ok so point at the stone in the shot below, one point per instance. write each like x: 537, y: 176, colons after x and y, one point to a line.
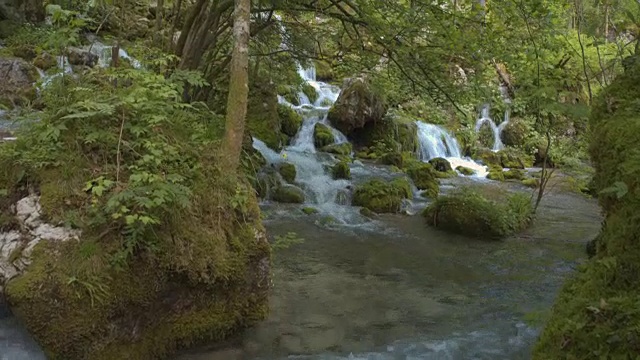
x: 357, y: 105
x: 18, y: 77
x: 80, y: 57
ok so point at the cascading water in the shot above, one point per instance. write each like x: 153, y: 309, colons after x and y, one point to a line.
x: 435, y: 142
x: 495, y: 129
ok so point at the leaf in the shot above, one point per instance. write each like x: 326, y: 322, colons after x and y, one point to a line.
x: 619, y: 189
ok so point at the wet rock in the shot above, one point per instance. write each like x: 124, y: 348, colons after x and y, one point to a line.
x: 288, y: 172
x: 357, y: 105
x: 515, y: 133
x: 441, y: 164
x: 382, y: 196
x: 288, y: 194
x: 290, y: 120
x: 341, y: 170
x: 392, y: 158
x: 309, y: 210
x: 22, y: 10
x: 80, y: 57
x: 16, y: 86
x: 45, y: 61
x: 338, y: 149
x: 424, y: 177
x: 465, y: 170
x: 322, y: 136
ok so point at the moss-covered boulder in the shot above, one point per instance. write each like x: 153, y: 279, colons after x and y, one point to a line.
x: 469, y: 212
x: 441, y: 165
x: 596, y: 313
x: 392, y: 158
x: 487, y: 156
x: 424, y: 177
x: 514, y: 174
x: 496, y: 173
x: 263, y: 117
x: 513, y: 158
x: 465, y: 170
x: 381, y: 196
x: 310, y: 210
x: 531, y: 182
x: 266, y: 181
x: 45, y: 61
x: 310, y: 92
x: 288, y: 194
x: 341, y: 170
x: 290, y: 120
x: 322, y: 136
x: 288, y: 172
x: 344, y: 149
x: 357, y: 105
x: 515, y: 133
x: 18, y: 78
x: 324, y: 72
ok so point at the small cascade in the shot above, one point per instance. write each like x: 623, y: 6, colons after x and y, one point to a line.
x: 495, y: 129
x: 436, y: 142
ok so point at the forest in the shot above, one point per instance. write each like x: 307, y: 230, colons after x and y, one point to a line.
x: 321, y: 178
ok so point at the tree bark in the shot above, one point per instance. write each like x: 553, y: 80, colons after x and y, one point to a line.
x: 238, y: 87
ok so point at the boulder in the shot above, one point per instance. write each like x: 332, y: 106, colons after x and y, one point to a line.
x: 290, y: 120
x: 288, y: 172
x: 441, y: 164
x: 45, y: 61
x: 341, y: 170
x: 322, y: 136
x: 465, y: 170
x: 424, y: 177
x: 80, y: 57
x: 357, y: 105
x: 288, y: 194
x: 514, y: 133
x: 338, y: 149
x: 263, y: 115
x: 22, y: 10
x: 18, y: 78
x: 382, y: 196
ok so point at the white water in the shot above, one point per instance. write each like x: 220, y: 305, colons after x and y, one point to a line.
x: 436, y: 142
x: 495, y: 129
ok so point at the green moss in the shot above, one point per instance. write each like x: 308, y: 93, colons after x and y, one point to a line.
x: 322, y: 136
x: 514, y: 158
x: 263, y: 115
x: 288, y: 194
x: 392, y: 158
x: 515, y: 133
x: 596, y: 313
x: 341, y: 170
x: 382, y: 196
x: 290, y: 120
x: 324, y: 72
x: 441, y: 165
x: 344, y: 149
x: 469, y: 212
x: 465, y: 170
x: 424, y: 177
x: 514, y: 174
x: 309, y: 210
x: 496, y: 173
x: 358, y: 105
x: 367, y: 213
x: 45, y: 61
x: 290, y: 94
x: 531, y: 182
x: 310, y: 91
x: 488, y: 157
x: 288, y: 172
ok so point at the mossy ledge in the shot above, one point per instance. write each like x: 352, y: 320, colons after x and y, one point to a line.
x: 596, y: 313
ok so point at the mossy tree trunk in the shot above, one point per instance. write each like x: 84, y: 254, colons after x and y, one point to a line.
x: 238, y: 87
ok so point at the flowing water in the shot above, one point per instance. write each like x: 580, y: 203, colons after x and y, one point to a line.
x: 485, y: 120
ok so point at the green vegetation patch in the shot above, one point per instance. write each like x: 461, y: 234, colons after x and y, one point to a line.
x: 381, y: 196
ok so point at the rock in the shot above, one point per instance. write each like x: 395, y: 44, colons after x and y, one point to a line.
x: 290, y: 120
x: 288, y: 194
x: 263, y: 115
x: 80, y: 57
x: 18, y: 77
x: 310, y: 210
x: 465, y: 171
x: 338, y: 149
x: 441, y: 164
x: 469, y: 212
x: 531, y: 182
x: 324, y: 72
x: 288, y: 172
x: 45, y: 61
x: 514, y: 174
x: 424, y: 178
x: 495, y: 173
x: 487, y: 156
x: 267, y: 181
x: 341, y: 170
x: 27, y: 52
x: 392, y: 158
x: 322, y: 136
x: 382, y: 196
x: 22, y: 10
x: 310, y: 92
x: 515, y: 133
x: 357, y: 105
x: 16, y: 246
x: 367, y: 213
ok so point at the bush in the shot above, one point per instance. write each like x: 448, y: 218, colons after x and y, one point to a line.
x: 468, y: 212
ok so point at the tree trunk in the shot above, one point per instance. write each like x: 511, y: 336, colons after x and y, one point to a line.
x: 238, y: 87
x: 159, y: 15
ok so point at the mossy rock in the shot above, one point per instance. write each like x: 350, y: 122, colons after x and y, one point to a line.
x: 425, y: 178
x: 290, y: 120
x: 513, y: 158
x: 515, y: 133
x: 25, y: 51
x: 441, y: 165
x: 322, y: 136
x: 344, y: 149
x: 310, y: 92
x: 324, y: 72
x: 45, y: 61
x: 496, y: 173
x: 514, y: 174
x: 367, y: 213
x: 263, y: 118
x: 465, y: 170
x: 487, y: 156
x: 531, y: 182
x: 288, y: 172
x: 485, y: 136
x: 596, y: 312
x: 381, y: 196
x: 392, y: 158
x: 310, y: 210
x: 469, y: 212
x: 288, y: 194
x: 357, y: 105
x: 341, y: 170
x: 267, y: 180
x: 290, y: 94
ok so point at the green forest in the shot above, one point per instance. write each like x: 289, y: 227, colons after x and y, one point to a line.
x: 150, y: 150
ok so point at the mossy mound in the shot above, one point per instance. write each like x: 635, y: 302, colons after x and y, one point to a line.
x: 381, y: 196
x: 290, y: 120
x: 288, y: 172
x: 289, y: 93
x: 441, y: 165
x: 344, y: 149
x: 392, y: 158
x: 288, y: 194
x: 164, y: 261
x: 596, y: 313
x: 267, y: 180
x: 263, y: 115
x: 424, y: 177
x: 393, y: 133
x: 531, y: 182
x: 487, y: 156
x: 465, y: 171
x: 357, y: 105
x: 324, y: 72
x: 514, y: 174
x: 515, y: 133
x: 469, y: 212
x: 45, y: 61
x: 341, y: 170
x: 322, y: 136
x: 513, y: 158
x: 496, y: 173
x: 310, y: 211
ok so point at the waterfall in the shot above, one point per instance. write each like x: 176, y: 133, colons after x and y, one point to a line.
x: 495, y: 129
x: 436, y: 142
